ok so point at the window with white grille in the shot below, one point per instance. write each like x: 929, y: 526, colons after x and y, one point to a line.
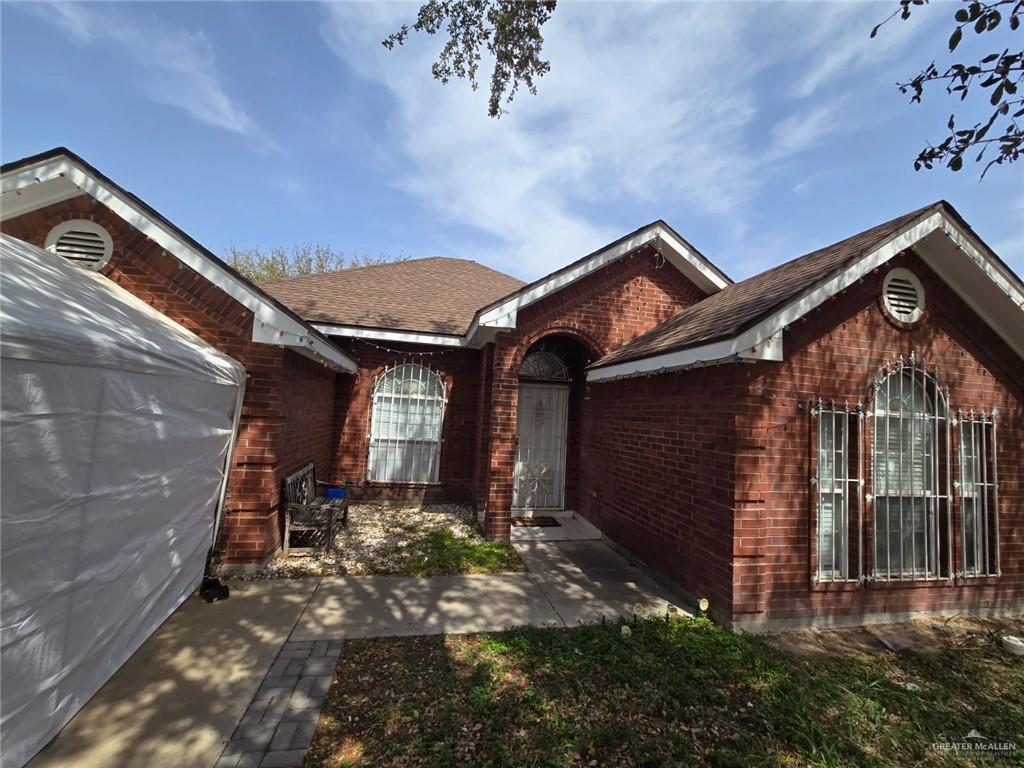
x: 979, y: 495
x: 82, y: 242
x: 903, y: 295
x: 910, y: 436
x: 903, y: 529
x: 839, y: 515
x: 405, y: 431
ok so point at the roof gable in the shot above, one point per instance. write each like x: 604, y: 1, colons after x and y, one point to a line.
x: 687, y: 259
x: 59, y: 174
x: 747, y: 319
x: 462, y: 290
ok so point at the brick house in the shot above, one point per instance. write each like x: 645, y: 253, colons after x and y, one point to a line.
x: 838, y: 437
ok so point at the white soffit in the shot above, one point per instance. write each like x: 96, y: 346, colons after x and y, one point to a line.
x: 383, y: 334
x: 59, y: 178
x: 955, y: 255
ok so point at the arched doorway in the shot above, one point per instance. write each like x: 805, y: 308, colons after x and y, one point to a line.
x: 550, y: 381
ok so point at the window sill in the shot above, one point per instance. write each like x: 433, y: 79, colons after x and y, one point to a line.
x: 877, y: 585
x: 978, y: 581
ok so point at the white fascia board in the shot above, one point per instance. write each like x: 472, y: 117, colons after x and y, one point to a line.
x: 764, y: 341
x: 777, y: 323
x: 304, y: 343
x: 724, y: 351
x: 692, y: 266
x: 995, y: 271
x: 380, y: 334
x: 34, y: 195
x: 707, y: 280
x: 504, y: 316
x: 477, y: 336
x: 163, y: 236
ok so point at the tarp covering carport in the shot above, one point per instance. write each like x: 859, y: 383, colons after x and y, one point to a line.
x: 116, y: 428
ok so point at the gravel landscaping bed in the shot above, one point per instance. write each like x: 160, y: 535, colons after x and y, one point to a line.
x: 431, y: 539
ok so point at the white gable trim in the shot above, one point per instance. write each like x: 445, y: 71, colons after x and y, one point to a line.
x: 685, y: 260
x: 764, y: 341
x: 293, y: 334
x: 715, y: 353
x: 503, y: 315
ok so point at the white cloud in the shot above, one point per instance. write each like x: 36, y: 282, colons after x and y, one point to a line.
x: 803, y: 130
x: 840, y: 40
x: 621, y: 116
x: 644, y: 102
x: 174, y: 67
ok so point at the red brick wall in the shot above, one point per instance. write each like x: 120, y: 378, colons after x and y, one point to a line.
x: 836, y: 354
x: 309, y: 410
x: 600, y: 311
x: 705, y: 473
x: 251, y: 526
x: 659, y: 473
x: 459, y: 370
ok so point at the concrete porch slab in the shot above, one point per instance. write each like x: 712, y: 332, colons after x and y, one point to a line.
x: 587, y: 581
x: 382, y: 606
x: 176, y: 701
x: 569, y: 529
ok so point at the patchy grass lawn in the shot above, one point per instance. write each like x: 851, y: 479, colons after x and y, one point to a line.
x: 440, y: 551
x: 683, y: 692
x: 425, y: 540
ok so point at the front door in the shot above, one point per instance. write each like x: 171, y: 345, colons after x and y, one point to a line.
x: 540, y: 450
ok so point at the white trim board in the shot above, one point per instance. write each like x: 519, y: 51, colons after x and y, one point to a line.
x: 503, y: 315
x: 64, y: 179
x: 382, y: 334
x: 764, y: 341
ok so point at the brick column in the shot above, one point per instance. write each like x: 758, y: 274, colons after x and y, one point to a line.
x: 502, y: 455
x: 250, y: 531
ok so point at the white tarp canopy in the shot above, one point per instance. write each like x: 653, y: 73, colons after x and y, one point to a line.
x: 115, y: 429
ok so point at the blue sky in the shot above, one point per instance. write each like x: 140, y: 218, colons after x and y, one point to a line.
x: 758, y: 130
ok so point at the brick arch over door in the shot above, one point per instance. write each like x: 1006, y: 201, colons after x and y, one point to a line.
x: 601, y: 311
x: 572, y: 347
x: 587, y: 341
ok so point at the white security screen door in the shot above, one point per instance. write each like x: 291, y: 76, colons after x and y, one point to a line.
x: 540, y: 453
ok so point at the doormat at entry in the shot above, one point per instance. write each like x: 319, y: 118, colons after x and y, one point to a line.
x: 535, y: 522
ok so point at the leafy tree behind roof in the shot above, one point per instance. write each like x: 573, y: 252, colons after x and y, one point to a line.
x: 305, y: 259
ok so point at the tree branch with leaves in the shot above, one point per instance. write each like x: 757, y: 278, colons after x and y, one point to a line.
x: 510, y: 30
x: 997, y: 74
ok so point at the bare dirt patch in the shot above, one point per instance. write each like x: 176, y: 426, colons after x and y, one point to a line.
x: 931, y: 636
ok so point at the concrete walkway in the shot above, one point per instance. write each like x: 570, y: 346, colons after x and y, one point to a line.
x: 205, y: 678
x: 178, y: 699
x: 568, y: 583
x: 585, y: 581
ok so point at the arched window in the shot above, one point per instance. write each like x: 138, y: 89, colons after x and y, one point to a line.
x: 405, y: 431
x: 543, y: 366
x: 913, y: 458
x: 910, y: 412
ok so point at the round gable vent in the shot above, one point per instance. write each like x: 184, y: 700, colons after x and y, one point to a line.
x: 903, y: 295
x: 82, y: 242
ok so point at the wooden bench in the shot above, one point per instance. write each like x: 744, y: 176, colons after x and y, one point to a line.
x: 308, y: 511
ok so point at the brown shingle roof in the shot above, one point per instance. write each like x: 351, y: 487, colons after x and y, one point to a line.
x: 741, y: 305
x: 433, y: 295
